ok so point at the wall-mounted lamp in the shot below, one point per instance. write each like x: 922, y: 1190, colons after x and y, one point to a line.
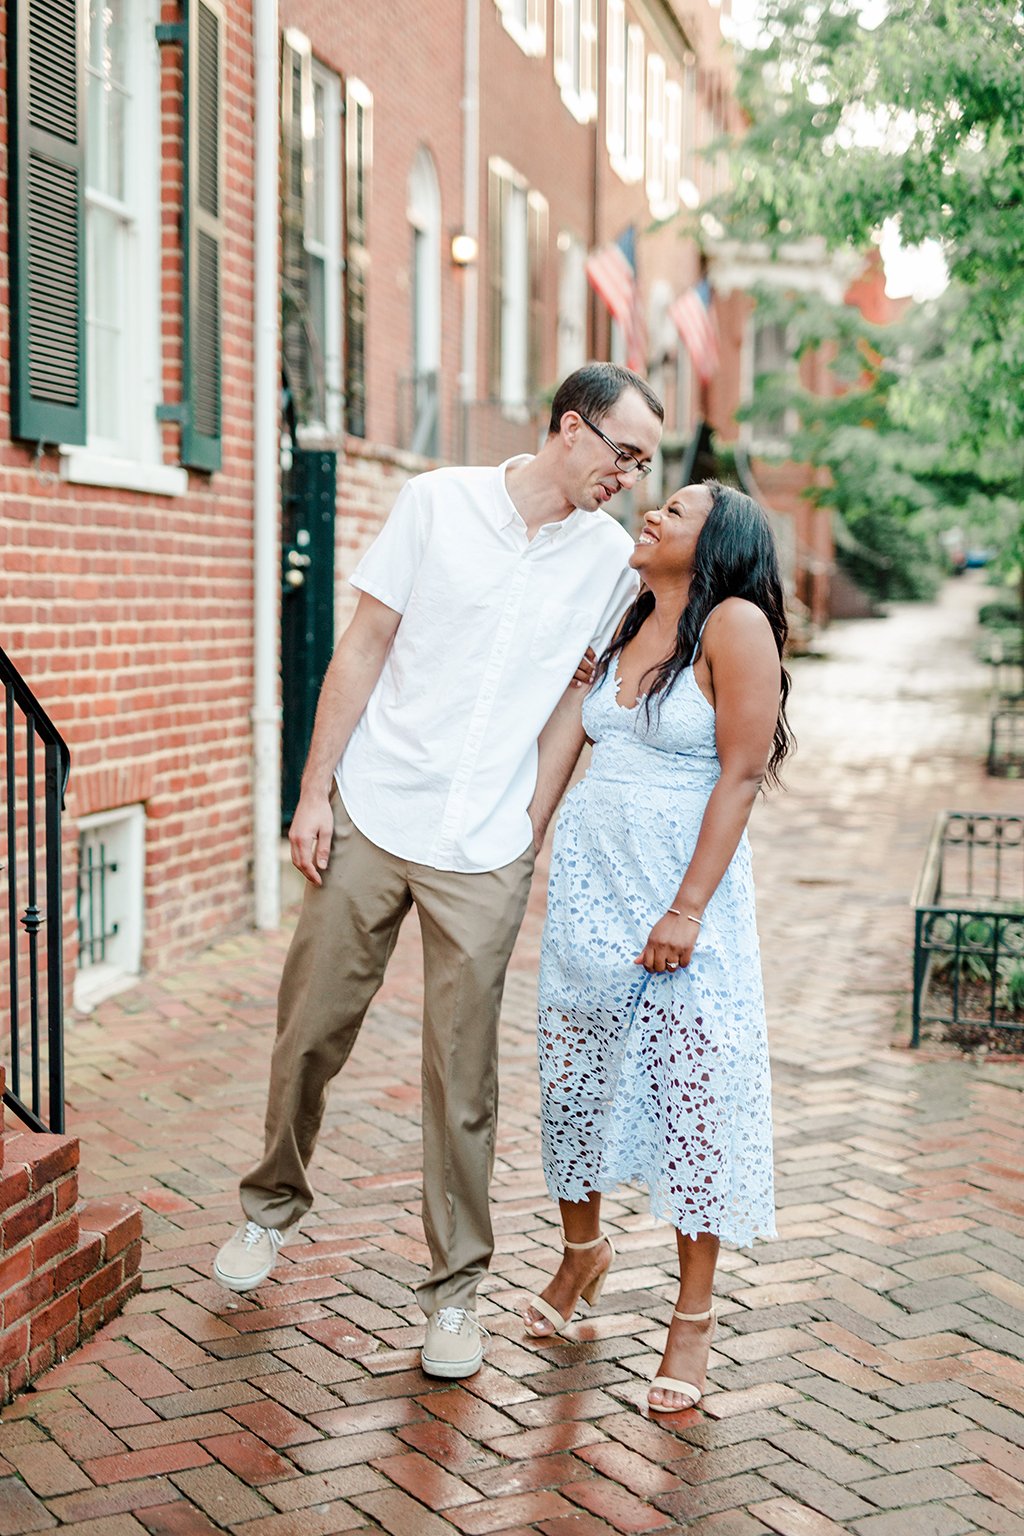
x: 464, y: 250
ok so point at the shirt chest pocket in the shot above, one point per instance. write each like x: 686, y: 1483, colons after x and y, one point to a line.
x: 560, y: 636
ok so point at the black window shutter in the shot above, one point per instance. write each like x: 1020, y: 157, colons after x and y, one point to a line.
x: 47, y: 189
x: 204, y: 235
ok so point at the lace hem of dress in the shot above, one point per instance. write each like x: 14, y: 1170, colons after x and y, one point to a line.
x: 737, y: 1234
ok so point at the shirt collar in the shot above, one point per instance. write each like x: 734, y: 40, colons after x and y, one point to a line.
x: 506, y: 509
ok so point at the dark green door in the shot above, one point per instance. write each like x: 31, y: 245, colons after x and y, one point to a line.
x: 307, y: 607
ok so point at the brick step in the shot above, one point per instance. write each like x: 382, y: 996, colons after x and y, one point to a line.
x: 65, y: 1267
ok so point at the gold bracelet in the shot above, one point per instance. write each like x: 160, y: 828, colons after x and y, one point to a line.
x: 689, y: 915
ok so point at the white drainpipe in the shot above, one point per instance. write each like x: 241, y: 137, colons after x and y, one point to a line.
x: 266, y: 712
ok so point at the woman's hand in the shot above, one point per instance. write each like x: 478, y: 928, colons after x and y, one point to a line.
x: 584, y: 674
x: 669, y: 945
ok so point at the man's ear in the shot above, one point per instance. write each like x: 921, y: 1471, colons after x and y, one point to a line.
x: 569, y: 427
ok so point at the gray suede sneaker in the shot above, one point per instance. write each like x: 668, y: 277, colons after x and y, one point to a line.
x: 246, y: 1259
x: 453, y: 1345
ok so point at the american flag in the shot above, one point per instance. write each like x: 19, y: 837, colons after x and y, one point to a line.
x: 611, y: 272
x: 693, y: 318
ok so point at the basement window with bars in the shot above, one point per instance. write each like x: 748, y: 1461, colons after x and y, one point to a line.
x: 109, y: 907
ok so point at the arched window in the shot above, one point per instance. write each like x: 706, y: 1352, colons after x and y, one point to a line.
x: 424, y: 212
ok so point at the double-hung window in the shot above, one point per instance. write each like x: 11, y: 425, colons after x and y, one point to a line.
x: 526, y: 21
x: 615, y: 82
x: 576, y: 56
x: 311, y: 243
x: 122, y: 265
x: 86, y: 248
x: 517, y: 268
x: 633, y: 160
x: 358, y: 161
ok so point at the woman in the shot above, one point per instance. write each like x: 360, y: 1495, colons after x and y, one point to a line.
x: 651, y: 1037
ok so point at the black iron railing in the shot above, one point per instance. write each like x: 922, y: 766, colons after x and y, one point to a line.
x: 36, y: 767
x: 1006, y: 737
x: 969, y: 930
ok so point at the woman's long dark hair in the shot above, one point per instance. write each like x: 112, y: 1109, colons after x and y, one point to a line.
x: 735, y: 556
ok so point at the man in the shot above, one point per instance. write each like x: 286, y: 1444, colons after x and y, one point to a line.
x: 446, y: 731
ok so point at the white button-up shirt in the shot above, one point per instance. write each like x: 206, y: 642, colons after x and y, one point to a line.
x: 442, y: 766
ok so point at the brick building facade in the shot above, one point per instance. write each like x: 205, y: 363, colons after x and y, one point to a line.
x: 126, y: 585
x: 543, y: 129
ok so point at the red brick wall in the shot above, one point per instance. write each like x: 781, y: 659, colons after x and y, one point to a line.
x: 409, y: 53
x: 131, y: 615
x: 369, y: 479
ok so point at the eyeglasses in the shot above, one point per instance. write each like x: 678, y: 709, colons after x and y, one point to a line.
x: 627, y: 463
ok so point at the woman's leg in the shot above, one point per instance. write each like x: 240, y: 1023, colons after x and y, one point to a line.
x: 581, y: 1223
x: 689, y: 1344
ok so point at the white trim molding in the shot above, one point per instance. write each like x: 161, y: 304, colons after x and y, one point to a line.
x: 82, y: 466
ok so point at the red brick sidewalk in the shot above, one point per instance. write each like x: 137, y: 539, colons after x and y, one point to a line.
x: 867, y: 1371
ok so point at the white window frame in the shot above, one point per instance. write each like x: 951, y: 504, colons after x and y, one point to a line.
x: 575, y: 56
x: 424, y: 214
x: 95, y: 982
x: 689, y: 186
x: 526, y: 21
x: 615, y: 82
x: 654, y: 155
x: 633, y: 160
x: 132, y: 458
x: 329, y: 249
x: 515, y: 296
x: 572, y: 303
x: 756, y: 441
x: 673, y: 149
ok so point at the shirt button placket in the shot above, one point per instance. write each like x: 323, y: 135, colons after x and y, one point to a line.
x: 476, y: 731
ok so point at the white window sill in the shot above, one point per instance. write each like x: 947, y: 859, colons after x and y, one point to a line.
x: 532, y: 40
x: 95, y: 983
x: 83, y: 466
x: 582, y: 108
x: 629, y: 171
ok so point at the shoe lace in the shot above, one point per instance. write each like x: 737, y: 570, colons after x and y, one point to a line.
x: 451, y: 1319
x: 253, y: 1234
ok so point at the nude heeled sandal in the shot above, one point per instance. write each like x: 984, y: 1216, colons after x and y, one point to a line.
x: 684, y: 1388
x: 591, y: 1293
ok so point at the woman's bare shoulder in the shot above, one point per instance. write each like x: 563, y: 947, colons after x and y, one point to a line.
x: 737, y: 619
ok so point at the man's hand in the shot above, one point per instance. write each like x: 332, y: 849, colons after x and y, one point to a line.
x: 584, y: 674
x: 310, y: 835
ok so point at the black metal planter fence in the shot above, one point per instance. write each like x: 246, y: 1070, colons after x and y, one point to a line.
x: 36, y: 764
x: 969, y: 931
x: 1006, y: 737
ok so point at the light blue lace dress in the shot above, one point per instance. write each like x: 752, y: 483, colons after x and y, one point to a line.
x: 658, y: 1080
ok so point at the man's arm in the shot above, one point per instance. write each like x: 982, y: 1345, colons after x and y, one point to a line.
x: 560, y: 744
x: 355, y: 667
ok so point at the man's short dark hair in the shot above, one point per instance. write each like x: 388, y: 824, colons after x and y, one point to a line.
x: 593, y: 389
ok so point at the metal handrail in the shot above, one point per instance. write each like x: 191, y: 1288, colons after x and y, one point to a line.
x: 38, y: 728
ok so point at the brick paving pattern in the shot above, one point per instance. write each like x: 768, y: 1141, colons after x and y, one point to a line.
x: 867, y: 1374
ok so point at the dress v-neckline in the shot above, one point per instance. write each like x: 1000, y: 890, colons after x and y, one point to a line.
x: 629, y: 709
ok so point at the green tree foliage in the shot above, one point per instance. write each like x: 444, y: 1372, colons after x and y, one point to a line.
x: 920, y: 119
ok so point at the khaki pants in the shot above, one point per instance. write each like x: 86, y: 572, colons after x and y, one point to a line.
x: 345, y: 935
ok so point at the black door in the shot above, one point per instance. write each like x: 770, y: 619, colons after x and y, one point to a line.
x: 307, y: 607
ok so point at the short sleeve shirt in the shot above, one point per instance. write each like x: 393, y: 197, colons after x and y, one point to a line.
x: 442, y: 766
